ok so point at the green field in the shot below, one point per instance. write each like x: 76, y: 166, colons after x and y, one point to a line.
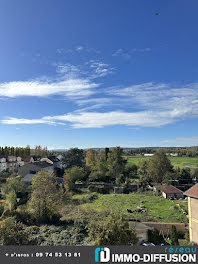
x: 158, y: 209
x: 176, y: 161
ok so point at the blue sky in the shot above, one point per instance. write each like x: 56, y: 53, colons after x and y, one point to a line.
x: 98, y: 73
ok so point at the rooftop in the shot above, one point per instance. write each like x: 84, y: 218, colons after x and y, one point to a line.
x: 192, y: 192
x: 169, y: 189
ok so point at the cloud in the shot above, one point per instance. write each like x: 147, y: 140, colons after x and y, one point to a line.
x: 98, y: 119
x: 79, y: 48
x: 22, y: 121
x: 153, y: 104
x: 181, y: 141
x: 160, y: 96
x: 93, y: 103
x: 68, y: 70
x: 100, y: 69
x: 127, y: 53
x: 122, y: 53
x: 69, y: 88
x: 71, y: 81
x: 141, y: 50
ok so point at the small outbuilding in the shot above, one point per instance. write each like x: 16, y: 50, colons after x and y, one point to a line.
x: 170, y: 191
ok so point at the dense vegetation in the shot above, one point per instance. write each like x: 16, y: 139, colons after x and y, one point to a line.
x: 15, y: 151
x: 84, y: 210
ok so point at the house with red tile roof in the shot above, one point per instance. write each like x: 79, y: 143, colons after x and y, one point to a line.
x: 169, y: 191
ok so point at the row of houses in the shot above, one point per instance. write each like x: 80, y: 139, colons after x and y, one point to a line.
x: 13, y: 163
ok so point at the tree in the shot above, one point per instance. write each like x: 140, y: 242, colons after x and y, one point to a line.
x: 91, y: 158
x: 143, y: 172
x: 113, y: 231
x: 13, y: 232
x: 71, y: 176
x: 195, y: 174
x: 169, y: 177
x: 116, y: 164
x: 185, y: 174
x: 174, y: 236
x: 13, y: 184
x: 130, y: 171
x: 11, y: 200
x: 40, y: 151
x: 158, y: 166
x: 106, y: 153
x: 73, y: 157
x: 99, y: 172
x: 46, y: 197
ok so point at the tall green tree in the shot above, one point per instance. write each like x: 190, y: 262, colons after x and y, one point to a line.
x: 73, y: 157
x: 158, y: 166
x: 91, y: 157
x: 143, y: 172
x: 194, y: 173
x: 116, y: 164
x: 14, y: 184
x: 11, y: 201
x: 185, y: 173
x: 107, y: 150
x: 46, y: 197
x: 130, y: 171
x: 71, y: 176
x: 99, y: 172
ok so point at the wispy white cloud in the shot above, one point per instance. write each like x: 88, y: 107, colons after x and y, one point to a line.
x: 92, y: 103
x: 23, y: 121
x: 122, y: 53
x: 71, y: 81
x: 180, y: 141
x: 79, y: 48
x: 68, y: 70
x: 141, y: 50
x: 69, y: 88
x: 155, y: 104
x: 127, y: 53
x: 161, y: 96
x: 100, y: 69
x: 101, y: 100
x: 98, y: 119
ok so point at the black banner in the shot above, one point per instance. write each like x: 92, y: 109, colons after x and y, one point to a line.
x: 96, y: 255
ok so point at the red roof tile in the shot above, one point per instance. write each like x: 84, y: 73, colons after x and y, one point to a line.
x: 169, y: 189
x: 193, y: 191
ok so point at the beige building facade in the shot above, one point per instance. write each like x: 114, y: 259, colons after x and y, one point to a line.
x: 192, y: 194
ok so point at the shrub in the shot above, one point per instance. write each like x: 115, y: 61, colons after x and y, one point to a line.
x: 13, y: 232
x: 98, y: 189
x: 114, y: 230
x: 174, y: 236
x: 59, y: 235
x: 1, y: 209
x: 155, y: 238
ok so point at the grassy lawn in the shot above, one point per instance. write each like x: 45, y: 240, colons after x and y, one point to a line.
x: 176, y: 161
x: 158, y: 209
